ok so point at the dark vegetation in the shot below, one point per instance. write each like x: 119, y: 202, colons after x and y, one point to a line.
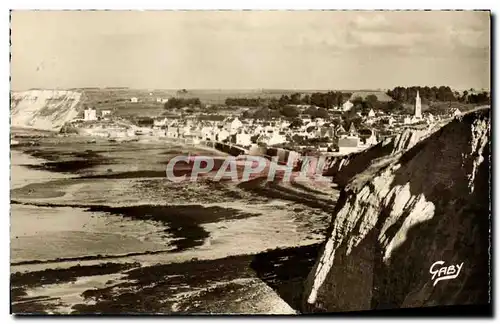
x: 184, y: 222
x: 182, y: 102
x: 244, y: 102
x: 54, y: 276
x: 439, y: 94
x: 157, y: 288
x: 436, y: 99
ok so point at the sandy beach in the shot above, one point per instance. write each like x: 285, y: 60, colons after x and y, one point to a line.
x: 132, y: 219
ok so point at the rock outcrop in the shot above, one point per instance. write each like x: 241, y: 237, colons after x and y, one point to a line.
x: 344, y: 168
x: 404, y: 213
x: 44, y: 109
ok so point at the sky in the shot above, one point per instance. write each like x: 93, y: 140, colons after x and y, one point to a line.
x: 346, y: 50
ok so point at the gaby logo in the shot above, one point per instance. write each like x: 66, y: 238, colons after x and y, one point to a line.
x: 444, y: 272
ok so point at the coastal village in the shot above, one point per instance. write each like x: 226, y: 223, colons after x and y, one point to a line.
x: 250, y: 162
x: 312, y: 135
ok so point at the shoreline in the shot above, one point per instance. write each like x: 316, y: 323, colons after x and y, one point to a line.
x: 286, y: 224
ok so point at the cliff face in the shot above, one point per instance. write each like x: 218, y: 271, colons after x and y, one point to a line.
x: 404, y: 213
x: 344, y: 168
x: 43, y: 109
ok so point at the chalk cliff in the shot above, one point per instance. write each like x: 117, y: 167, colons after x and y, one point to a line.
x: 44, y: 109
x: 343, y: 168
x: 402, y: 214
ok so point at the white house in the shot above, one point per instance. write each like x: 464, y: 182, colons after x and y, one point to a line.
x: 456, y: 112
x: 243, y: 138
x: 372, y: 140
x: 306, y: 120
x: 325, y: 132
x: 352, y: 130
x: 272, y: 138
x: 269, y: 129
x: 415, y: 120
x: 258, y: 129
x: 347, y: 105
x: 320, y: 121
x: 161, y: 100
x: 207, y: 133
x: 104, y: 113
x: 371, y: 114
x: 340, y: 131
x: 134, y: 99
x: 159, y: 122
x: 285, y: 124
x: 173, y: 132
x: 430, y: 118
x: 89, y: 114
x: 222, y: 134
x: 234, y: 125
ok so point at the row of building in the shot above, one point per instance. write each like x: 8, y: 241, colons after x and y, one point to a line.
x: 325, y: 134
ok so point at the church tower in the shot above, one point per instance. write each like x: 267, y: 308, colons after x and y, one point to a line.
x: 418, y: 106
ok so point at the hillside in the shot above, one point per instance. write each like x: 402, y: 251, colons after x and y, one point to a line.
x: 44, y: 109
x: 401, y: 215
x: 381, y: 95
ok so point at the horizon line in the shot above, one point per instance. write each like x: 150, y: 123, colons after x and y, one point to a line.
x: 240, y: 89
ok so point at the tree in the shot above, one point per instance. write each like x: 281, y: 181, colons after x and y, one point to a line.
x: 350, y: 114
x: 172, y: 103
x: 407, y: 95
x: 311, y: 111
x: 289, y: 111
x: 246, y: 114
x: 394, y: 106
x: 295, y: 99
x: 306, y: 100
x: 181, y: 102
x: 358, y: 101
x: 284, y: 100
x: 322, y: 113
x: 296, y: 123
x: 273, y: 104
x: 480, y: 98
x: 356, y: 120
x: 266, y: 113
x: 371, y: 101
x: 317, y: 99
x: 243, y: 102
x: 463, y: 96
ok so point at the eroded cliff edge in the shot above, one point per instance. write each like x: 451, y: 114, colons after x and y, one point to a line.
x: 403, y: 213
x: 44, y: 109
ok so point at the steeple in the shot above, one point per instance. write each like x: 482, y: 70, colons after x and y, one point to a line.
x: 418, y: 106
x: 352, y: 129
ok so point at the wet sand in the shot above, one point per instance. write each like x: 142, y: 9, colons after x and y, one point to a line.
x: 71, y: 210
